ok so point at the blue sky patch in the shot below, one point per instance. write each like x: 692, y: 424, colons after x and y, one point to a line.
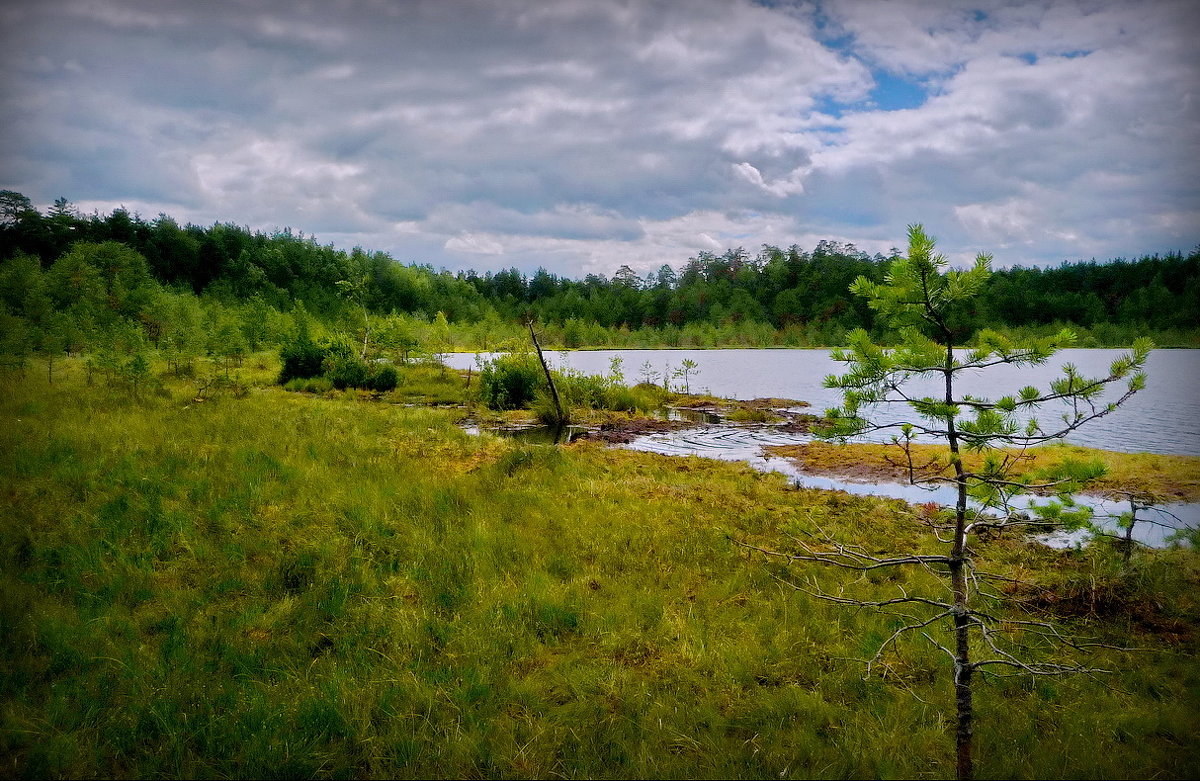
x: 893, y: 93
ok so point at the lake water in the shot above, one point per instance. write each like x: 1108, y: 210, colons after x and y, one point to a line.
x: 747, y: 443
x: 1163, y: 418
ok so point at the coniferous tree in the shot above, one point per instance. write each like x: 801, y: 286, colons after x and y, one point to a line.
x: 925, y: 303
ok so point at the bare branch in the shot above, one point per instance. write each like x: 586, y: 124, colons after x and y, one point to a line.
x: 844, y: 556
x: 906, y: 628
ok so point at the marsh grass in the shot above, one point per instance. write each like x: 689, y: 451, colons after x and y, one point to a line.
x: 1168, y: 477
x: 295, y: 585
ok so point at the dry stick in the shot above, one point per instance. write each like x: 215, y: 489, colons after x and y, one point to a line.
x: 549, y: 380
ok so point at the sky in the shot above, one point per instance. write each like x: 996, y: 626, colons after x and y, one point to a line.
x: 580, y: 135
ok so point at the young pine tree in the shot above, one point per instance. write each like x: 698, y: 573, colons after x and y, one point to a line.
x: 924, y: 301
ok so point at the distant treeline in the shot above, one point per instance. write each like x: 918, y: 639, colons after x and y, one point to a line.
x: 775, y: 296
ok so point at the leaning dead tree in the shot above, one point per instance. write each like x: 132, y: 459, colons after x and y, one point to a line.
x: 914, y: 390
x: 560, y: 417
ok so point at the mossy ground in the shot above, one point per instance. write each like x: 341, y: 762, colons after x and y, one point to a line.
x: 1169, y: 478
x: 284, y: 584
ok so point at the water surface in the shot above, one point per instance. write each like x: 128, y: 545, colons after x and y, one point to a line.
x: 1163, y: 418
x: 746, y: 443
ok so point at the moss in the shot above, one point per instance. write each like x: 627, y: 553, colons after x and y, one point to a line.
x: 750, y: 415
x: 1170, y: 478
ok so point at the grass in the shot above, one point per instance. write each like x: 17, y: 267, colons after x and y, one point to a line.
x: 294, y: 585
x: 418, y: 384
x: 1171, y: 478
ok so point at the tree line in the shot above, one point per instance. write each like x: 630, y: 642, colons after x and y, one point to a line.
x: 72, y: 282
x: 790, y: 287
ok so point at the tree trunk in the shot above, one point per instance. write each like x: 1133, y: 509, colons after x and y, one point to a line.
x: 1128, y: 548
x: 962, y: 676
x: 958, y: 577
x: 549, y: 380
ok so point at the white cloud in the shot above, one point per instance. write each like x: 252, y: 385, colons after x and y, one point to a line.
x: 792, y: 185
x: 474, y: 244
x: 586, y: 135
x: 1004, y: 223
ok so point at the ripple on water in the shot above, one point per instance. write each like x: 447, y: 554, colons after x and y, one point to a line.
x: 746, y: 443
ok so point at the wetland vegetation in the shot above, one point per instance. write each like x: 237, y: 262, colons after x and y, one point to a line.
x: 246, y: 535
x: 297, y: 584
x: 1171, y: 478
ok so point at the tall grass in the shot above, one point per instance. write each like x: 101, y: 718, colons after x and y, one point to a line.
x: 292, y: 585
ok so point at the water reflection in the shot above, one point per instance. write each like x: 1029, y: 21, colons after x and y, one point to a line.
x: 535, y: 435
x: 729, y: 443
x: 1163, y: 418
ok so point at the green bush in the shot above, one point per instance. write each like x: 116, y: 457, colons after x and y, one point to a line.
x: 316, y: 369
x: 309, y: 384
x: 510, y: 381
x: 345, y: 369
x: 625, y: 399
x: 595, y: 391
x: 384, y: 379
x: 749, y: 415
x: 301, y: 358
x: 583, y: 390
x: 544, y: 408
x: 517, y: 381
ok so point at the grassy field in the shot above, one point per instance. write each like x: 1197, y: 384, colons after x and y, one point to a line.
x: 275, y: 584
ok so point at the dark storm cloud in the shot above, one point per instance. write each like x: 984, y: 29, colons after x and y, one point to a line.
x: 583, y: 135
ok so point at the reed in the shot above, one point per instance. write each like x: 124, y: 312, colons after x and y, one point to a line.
x: 287, y: 584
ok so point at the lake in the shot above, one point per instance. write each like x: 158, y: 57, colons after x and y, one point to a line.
x: 746, y: 444
x: 1163, y: 418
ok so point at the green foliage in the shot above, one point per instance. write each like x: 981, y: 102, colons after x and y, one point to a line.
x: 309, y: 385
x: 919, y: 299
x: 519, y: 376
x: 545, y: 410
x: 383, y: 379
x: 510, y: 381
x: 106, y: 267
x: 247, y: 597
x: 300, y: 356
x: 301, y: 360
x: 925, y: 304
x: 344, y: 368
x: 750, y: 415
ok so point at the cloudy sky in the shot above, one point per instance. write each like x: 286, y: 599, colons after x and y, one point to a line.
x: 583, y: 134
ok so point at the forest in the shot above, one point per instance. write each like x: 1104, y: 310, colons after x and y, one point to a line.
x: 74, y: 283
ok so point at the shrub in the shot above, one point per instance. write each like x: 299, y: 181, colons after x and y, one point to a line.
x: 543, y: 407
x: 514, y: 381
x: 510, y: 381
x: 302, y: 358
x: 384, y: 379
x: 317, y: 385
x: 583, y: 390
x: 345, y: 369
x: 750, y: 415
